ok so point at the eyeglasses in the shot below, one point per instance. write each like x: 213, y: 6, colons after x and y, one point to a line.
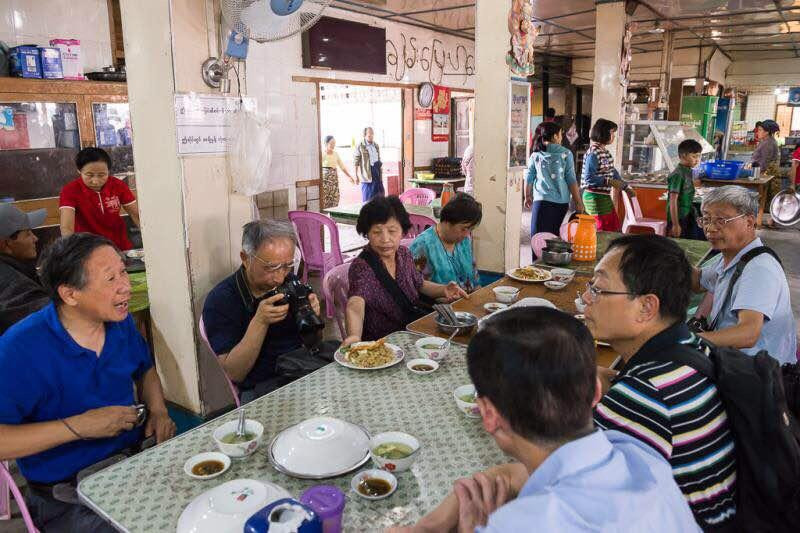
x: 269, y: 267
x: 595, y: 293
x: 717, y: 222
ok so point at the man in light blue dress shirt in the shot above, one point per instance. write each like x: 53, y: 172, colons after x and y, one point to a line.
x: 536, y: 379
x: 758, y: 315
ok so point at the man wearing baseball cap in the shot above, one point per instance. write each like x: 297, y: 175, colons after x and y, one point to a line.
x: 21, y: 292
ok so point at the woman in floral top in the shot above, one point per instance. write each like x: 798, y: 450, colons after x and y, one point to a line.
x: 385, y: 287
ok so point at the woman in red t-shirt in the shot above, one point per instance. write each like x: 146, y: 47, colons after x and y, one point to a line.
x: 93, y: 202
x: 796, y: 166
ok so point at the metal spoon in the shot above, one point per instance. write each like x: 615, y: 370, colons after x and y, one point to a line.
x: 240, y: 425
x: 446, y: 346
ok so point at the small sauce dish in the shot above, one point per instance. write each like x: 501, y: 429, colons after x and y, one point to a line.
x: 215, y: 463
x: 374, y: 484
x: 422, y: 366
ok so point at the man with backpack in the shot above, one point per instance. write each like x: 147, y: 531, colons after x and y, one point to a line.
x: 752, y: 309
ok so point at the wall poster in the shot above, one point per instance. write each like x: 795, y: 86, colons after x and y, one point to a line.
x: 519, y: 110
x: 440, y: 130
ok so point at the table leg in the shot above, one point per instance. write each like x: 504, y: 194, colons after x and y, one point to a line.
x: 762, y: 202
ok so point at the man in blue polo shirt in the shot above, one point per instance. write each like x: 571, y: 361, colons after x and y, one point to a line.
x: 758, y: 313
x: 67, y: 374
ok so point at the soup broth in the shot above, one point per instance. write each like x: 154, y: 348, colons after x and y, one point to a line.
x: 232, y: 438
x: 207, y: 468
x: 393, y: 450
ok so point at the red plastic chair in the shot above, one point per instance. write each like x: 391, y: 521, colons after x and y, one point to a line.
x: 418, y: 196
x: 335, y: 286
x: 633, y: 217
x: 310, y: 227
x: 6, y: 483
x: 419, y: 223
x: 234, y: 390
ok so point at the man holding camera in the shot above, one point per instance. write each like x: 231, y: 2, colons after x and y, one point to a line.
x: 254, y: 318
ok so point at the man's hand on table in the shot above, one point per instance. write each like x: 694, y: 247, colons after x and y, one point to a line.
x: 478, y: 497
x: 160, y: 424
x: 103, y: 422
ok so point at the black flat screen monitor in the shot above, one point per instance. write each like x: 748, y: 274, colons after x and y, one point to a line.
x: 336, y: 44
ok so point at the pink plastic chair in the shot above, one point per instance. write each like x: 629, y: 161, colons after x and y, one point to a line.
x: 310, y: 227
x: 419, y: 223
x: 6, y: 483
x: 234, y: 390
x: 418, y: 196
x: 538, y: 242
x: 335, y: 285
x: 633, y: 217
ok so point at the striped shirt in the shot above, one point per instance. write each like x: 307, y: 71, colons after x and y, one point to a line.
x: 677, y: 411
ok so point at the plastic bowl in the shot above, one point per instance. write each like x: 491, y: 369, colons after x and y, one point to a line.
x: 563, y: 274
x: 491, y: 307
x: 555, y: 285
x: 580, y: 306
x: 241, y: 449
x: 469, y: 409
x: 394, y: 465
x: 506, y: 294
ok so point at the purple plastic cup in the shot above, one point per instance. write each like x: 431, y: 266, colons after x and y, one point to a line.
x: 328, y: 502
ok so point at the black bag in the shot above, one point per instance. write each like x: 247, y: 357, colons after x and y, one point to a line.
x: 766, y: 434
x: 411, y: 311
x: 301, y: 362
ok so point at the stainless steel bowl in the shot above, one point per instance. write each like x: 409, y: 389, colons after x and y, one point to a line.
x: 785, y: 208
x: 557, y: 245
x: 466, y: 323
x: 556, y: 258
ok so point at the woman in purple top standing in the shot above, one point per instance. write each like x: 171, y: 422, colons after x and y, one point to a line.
x: 385, y: 286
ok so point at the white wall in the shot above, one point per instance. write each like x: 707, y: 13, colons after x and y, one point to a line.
x: 38, y: 21
x: 764, y: 72
x: 646, y: 67
x: 292, y: 106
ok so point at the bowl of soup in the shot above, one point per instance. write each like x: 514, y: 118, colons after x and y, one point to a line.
x: 466, y: 400
x: 234, y: 445
x: 431, y: 348
x: 394, y: 451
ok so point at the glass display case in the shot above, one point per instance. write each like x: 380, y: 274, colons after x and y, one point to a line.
x: 650, y: 148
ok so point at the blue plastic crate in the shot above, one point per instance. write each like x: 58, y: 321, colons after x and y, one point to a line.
x: 723, y: 169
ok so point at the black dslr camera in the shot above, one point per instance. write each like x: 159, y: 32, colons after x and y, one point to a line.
x: 296, y: 294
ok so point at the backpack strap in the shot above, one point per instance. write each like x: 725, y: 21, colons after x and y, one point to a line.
x: 737, y: 273
x: 686, y: 355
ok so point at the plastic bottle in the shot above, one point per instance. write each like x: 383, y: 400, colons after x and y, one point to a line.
x: 447, y: 193
x: 328, y: 503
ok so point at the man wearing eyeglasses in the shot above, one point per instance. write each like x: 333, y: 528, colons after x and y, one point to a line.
x: 247, y: 331
x: 757, y: 314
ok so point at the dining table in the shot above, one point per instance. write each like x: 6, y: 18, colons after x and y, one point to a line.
x: 148, y: 492
x: 563, y: 299
x: 760, y: 186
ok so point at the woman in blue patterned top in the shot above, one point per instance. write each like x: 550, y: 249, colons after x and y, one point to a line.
x: 443, y: 253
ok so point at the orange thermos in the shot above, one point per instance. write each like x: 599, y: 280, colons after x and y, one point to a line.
x: 582, y: 234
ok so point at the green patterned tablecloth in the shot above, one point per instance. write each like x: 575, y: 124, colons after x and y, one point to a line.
x: 140, y: 300
x: 148, y: 492
x: 348, y: 214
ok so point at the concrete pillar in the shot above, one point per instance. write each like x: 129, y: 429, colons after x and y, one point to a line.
x: 607, y: 93
x: 498, y: 189
x: 191, y: 223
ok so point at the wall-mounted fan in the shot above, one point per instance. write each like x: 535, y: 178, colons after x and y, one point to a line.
x: 272, y: 20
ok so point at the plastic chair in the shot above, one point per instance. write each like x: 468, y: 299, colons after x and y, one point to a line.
x: 635, y: 229
x: 310, y: 227
x: 234, y: 390
x: 538, y: 242
x: 6, y: 483
x: 418, y: 196
x: 633, y: 216
x: 419, y: 223
x: 335, y: 286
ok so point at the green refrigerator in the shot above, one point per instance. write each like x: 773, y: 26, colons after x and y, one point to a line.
x: 700, y: 112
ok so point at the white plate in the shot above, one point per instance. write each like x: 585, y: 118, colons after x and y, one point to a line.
x: 207, y: 456
x: 511, y: 275
x: 398, y: 356
x: 226, y: 507
x: 135, y: 254
x: 320, y: 448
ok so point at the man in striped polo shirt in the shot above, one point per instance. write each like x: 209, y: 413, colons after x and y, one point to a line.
x: 637, y: 302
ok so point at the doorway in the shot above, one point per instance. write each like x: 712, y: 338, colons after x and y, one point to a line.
x: 345, y: 110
